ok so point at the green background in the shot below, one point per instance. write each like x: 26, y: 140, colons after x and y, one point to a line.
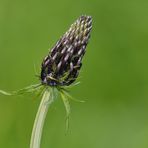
x: 114, y: 75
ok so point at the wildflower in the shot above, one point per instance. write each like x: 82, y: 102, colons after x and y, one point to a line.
x: 59, y: 69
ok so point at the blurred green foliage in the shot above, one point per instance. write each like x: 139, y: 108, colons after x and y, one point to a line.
x: 114, y: 75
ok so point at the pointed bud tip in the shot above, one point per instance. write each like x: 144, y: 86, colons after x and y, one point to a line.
x: 85, y: 17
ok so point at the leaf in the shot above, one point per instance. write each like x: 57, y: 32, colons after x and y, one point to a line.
x: 28, y: 89
x: 5, y: 93
x: 72, y: 98
x: 67, y: 107
x: 72, y: 85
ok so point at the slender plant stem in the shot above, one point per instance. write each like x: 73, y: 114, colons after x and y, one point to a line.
x: 47, y: 99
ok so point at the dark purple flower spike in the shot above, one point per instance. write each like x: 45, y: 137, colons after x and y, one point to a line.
x: 61, y: 66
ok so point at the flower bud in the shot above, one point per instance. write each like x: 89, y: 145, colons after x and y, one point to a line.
x: 61, y: 66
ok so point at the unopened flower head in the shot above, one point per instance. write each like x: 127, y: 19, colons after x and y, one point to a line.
x: 61, y: 66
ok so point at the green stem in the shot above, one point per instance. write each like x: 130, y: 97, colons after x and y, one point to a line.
x: 47, y: 99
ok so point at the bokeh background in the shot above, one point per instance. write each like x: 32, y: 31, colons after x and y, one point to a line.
x: 114, y: 77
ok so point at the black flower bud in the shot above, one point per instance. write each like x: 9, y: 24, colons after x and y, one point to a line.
x: 62, y: 65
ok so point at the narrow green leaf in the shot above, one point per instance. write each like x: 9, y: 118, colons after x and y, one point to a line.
x: 67, y: 107
x: 28, y: 89
x: 5, y: 93
x: 72, y: 98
